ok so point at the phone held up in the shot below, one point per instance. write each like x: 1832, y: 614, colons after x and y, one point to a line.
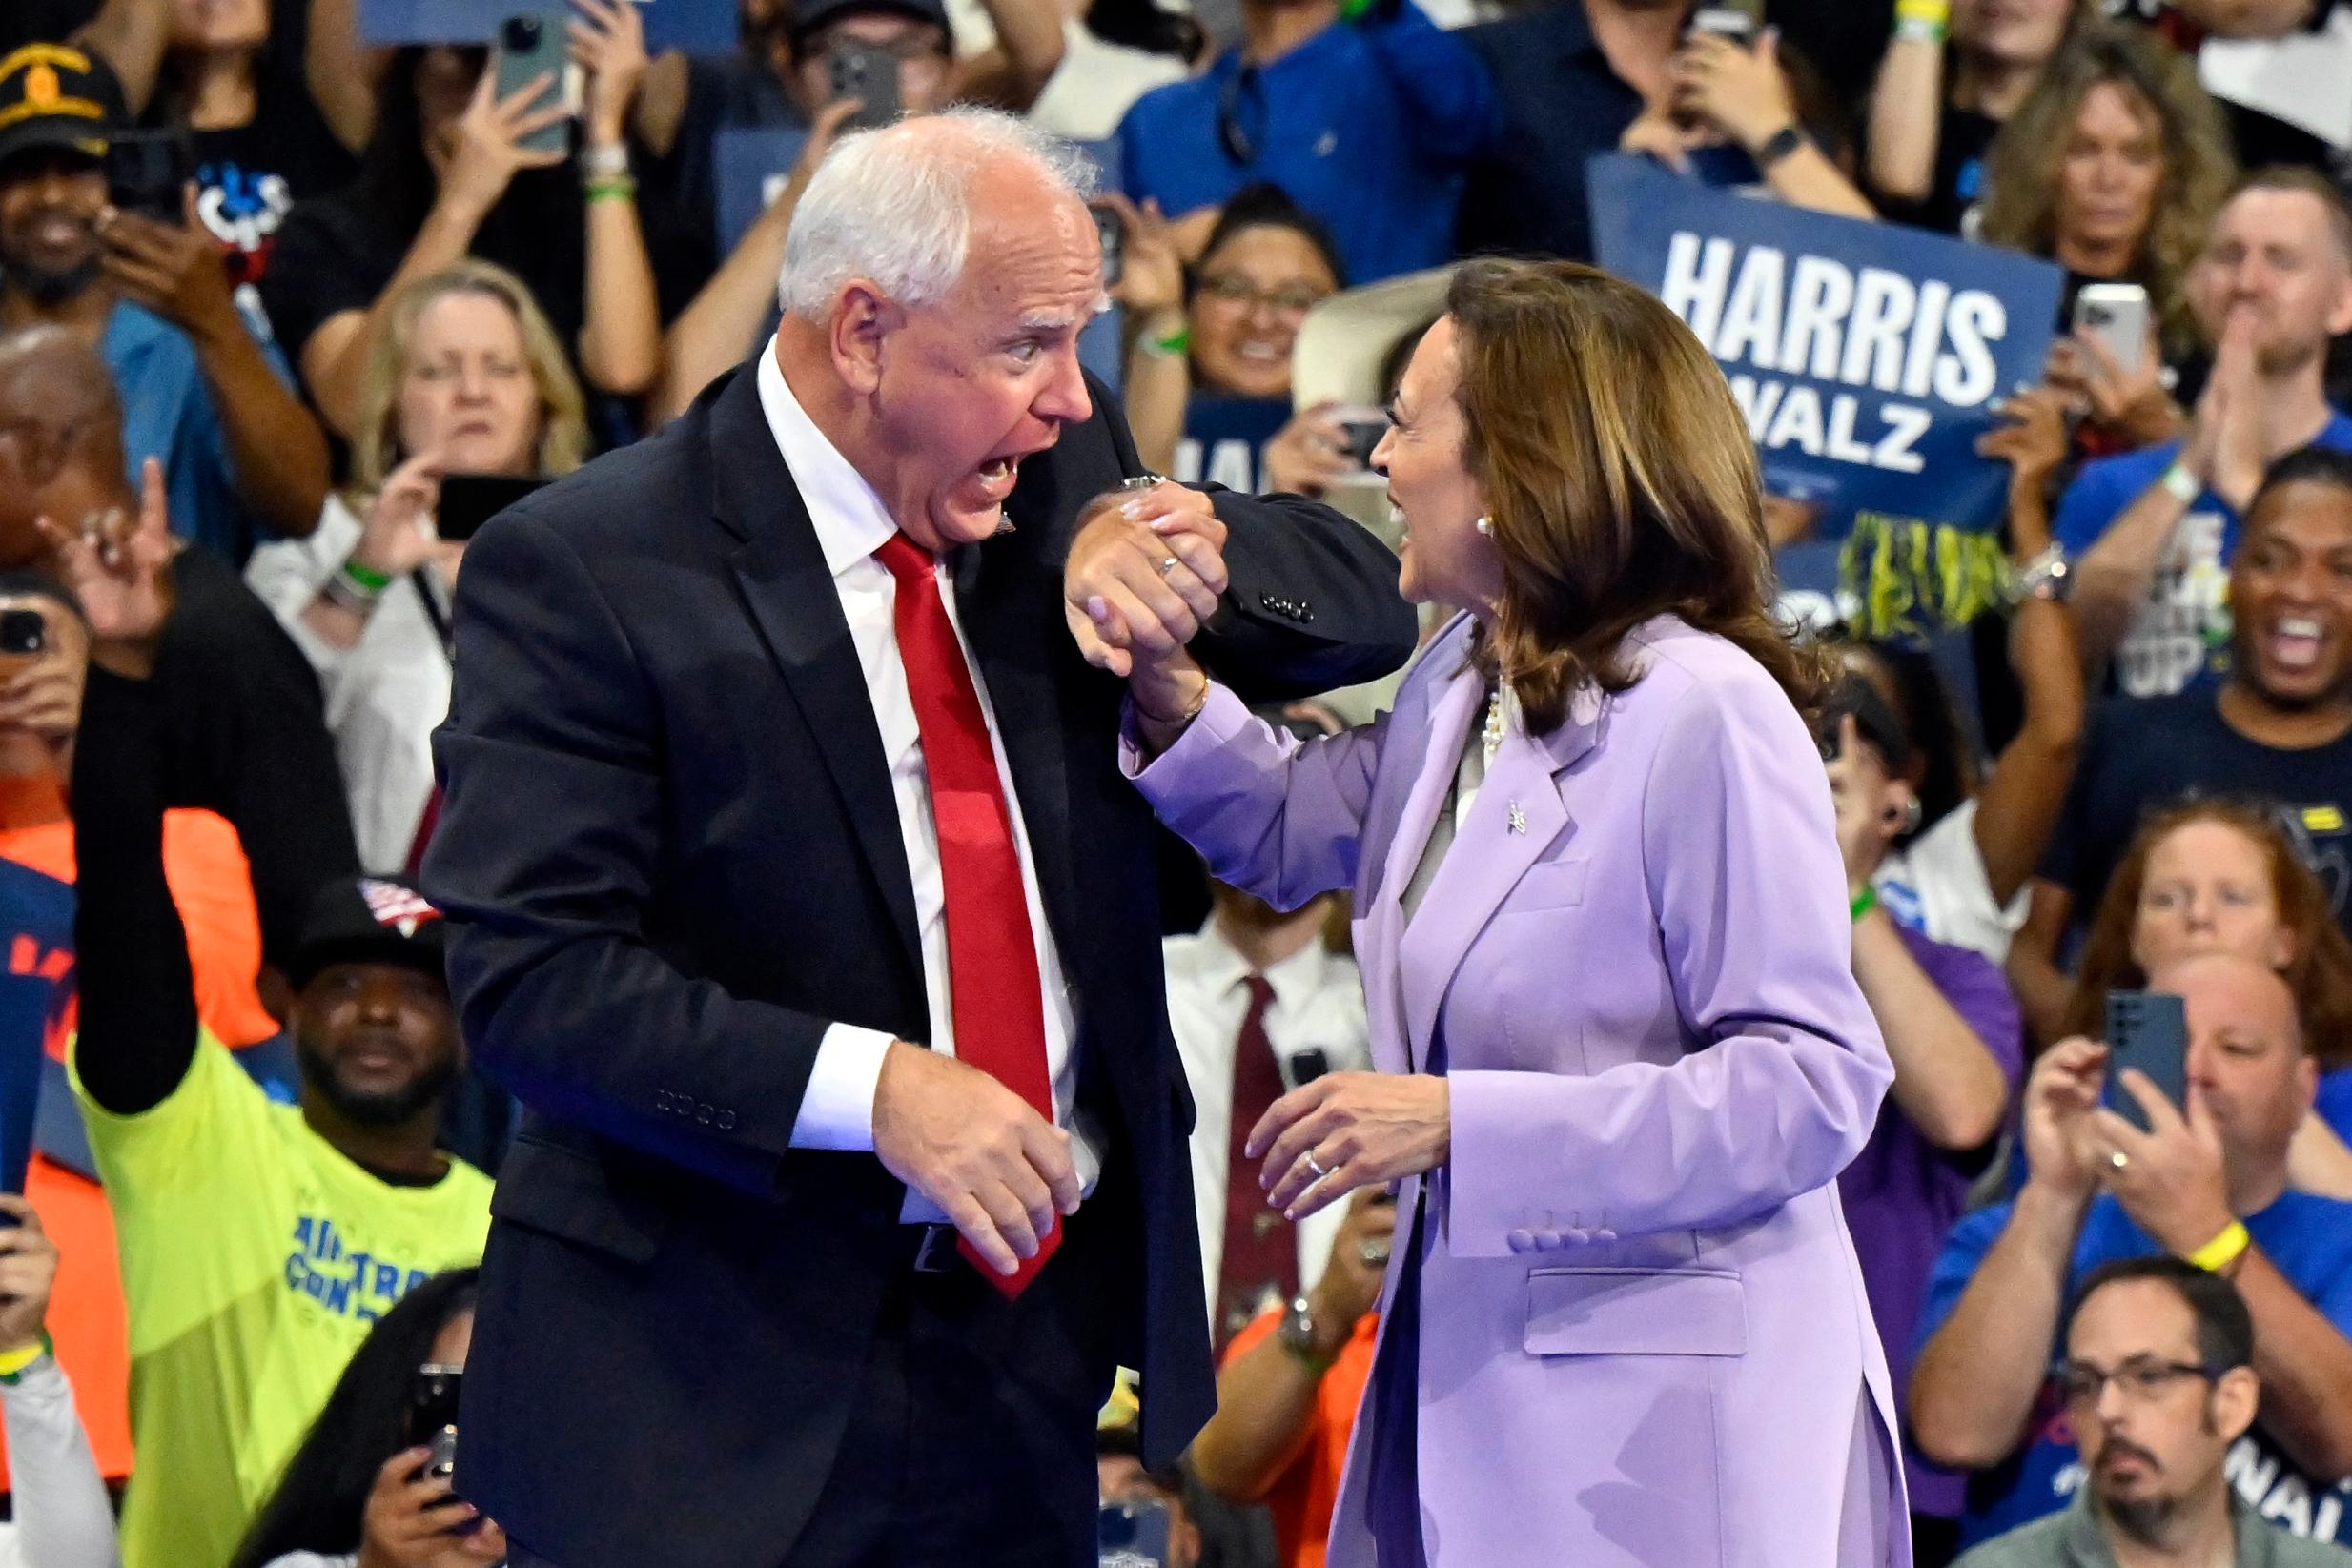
x: 433, y: 1425
x: 2116, y: 314
x: 1132, y: 1535
x: 146, y: 170
x: 532, y: 45
x: 869, y: 74
x: 2148, y: 1030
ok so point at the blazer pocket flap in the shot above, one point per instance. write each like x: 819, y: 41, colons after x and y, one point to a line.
x: 1555, y: 885
x: 571, y: 1196
x: 1636, y: 1311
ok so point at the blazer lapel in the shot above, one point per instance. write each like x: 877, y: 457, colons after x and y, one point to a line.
x: 1451, y: 713
x: 791, y: 595
x: 1517, y: 817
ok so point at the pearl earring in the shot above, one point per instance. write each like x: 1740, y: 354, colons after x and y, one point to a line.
x: 1485, y: 527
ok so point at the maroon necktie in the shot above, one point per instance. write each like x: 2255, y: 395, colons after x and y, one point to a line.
x: 994, y: 996
x: 1262, y: 1248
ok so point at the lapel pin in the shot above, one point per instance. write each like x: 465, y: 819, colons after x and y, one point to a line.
x: 1518, y: 819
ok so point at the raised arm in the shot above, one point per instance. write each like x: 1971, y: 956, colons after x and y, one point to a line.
x: 1439, y: 79
x: 342, y: 72
x: 132, y: 36
x: 1783, y: 1083
x: 621, y: 335
x: 1907, y: 103
x: 1029, y: 50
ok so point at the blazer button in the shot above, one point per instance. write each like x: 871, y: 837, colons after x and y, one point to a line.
x: 1548, y: 1241
x: 1602, y: 1236
x: 1520, y: 1241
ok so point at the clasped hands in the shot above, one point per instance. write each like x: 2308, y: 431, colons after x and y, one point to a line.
x: 1144, y: 575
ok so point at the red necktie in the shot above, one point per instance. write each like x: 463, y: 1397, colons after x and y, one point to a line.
x: 1262, y: 1248
x: 994, y: 996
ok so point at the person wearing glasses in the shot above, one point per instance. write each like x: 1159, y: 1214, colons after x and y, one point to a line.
x: 2207, y: 1185
x: 1208, y: 372
x: 2159, y: 1382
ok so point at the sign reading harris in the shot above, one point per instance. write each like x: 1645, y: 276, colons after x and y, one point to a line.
x: 698, y: 27
x: 1867, y: 358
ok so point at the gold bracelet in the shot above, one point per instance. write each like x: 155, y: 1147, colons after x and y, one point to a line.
x: 2223, y: 1249
x: 1182, y: 720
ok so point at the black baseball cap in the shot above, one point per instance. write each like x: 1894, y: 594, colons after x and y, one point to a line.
x: 809, y: 20
x: 53, y: 95
x: 369, y: 920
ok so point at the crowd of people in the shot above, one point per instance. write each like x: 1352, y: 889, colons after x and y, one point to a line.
x: 246, y: 433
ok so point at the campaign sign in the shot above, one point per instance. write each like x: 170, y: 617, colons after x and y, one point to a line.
x: 751, y: 166
x: 698, y: 27
x: 1867, y: 358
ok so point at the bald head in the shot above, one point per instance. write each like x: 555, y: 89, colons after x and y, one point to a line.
x: 49, y: 375
x: 61, y: 440
x: 2221, y: 987
x: 898, y: 207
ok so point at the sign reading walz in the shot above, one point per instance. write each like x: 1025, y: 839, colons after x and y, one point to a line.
x: 699, y: 27
x: 1867, y: 358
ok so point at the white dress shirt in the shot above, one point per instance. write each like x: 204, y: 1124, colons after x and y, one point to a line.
x: 1319, y: 1005
x: 837, y: 1111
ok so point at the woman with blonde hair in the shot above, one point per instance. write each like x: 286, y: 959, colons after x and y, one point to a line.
x: 2114, y: 167
x: 465, y: 377
x: 1603, y: 931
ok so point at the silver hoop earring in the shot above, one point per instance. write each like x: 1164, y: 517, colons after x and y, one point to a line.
x: 1485, y: 527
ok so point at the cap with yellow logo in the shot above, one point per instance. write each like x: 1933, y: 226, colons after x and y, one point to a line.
x: 54, y: 97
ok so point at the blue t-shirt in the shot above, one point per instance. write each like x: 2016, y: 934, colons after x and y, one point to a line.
x: 2180, y: 635
x: 168, y: 414
x: 1366, y: 124
x: 2334, y: 1102
x: 2308, y: 1239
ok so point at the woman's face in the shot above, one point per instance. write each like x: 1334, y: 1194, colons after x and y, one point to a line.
x: 445, y: 83
x: 1443, y: 557
x: 2108, y: 177
x: 2012, y: 33
x: 467, y: 394
x: 2207, y: 889
x: 1254, y: 290
x: 219, y: 24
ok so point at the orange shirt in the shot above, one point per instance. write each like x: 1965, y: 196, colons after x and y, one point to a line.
x: 205, y: 864
x: 1303, y: 1500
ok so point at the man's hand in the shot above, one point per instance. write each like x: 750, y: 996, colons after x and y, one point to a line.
x: 2060, y: 1099
x: 27, y: 1274
x: 1350, y: 1282
x: 2171, y: 1181
x: 178, y: 273
x: 1144, y: 575
x: 1361, y: 1130
x: 1742, y: 89
x: 122, y: 574
x: 996, y: 1169
x: 2224, y: 443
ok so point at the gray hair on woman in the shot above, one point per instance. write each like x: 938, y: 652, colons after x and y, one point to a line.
x: 893, y: 205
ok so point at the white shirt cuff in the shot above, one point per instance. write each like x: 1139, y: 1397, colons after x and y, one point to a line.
x: 837, y: 1109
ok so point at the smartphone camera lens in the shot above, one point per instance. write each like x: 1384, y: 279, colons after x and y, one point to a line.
x: 521, y: 34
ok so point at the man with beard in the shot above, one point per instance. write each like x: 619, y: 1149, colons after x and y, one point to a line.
x: 2207, y: 1185
x: 2276, y: 732
x: 2159, y: 1381
x: 200, y: 393
x: 257, y: 1241
x: 2156, y: 531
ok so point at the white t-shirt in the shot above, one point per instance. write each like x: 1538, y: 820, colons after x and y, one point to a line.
x: 1937, y: 884
x: 1096, y: 83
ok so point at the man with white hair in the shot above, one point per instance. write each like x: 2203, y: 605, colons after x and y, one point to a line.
x: 768, y: 766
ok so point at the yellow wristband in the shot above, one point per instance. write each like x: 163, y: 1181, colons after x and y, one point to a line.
x: 1932, y: 13
x: 12, y: 1363
x: 2223, y: 1249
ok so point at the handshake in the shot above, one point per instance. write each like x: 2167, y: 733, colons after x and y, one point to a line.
x: 1145, y: 574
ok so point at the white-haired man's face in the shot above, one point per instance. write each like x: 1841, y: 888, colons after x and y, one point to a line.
x: 962, y: 391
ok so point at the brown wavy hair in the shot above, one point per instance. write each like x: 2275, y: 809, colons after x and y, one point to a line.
x: 2319, y: 973
x: 1620, y: 479
x: 2021, y: 170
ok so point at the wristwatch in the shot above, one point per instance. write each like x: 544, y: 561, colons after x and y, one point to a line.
x: 1297, y: 1334
x: 1778, y: 146
x: 2049, y: 575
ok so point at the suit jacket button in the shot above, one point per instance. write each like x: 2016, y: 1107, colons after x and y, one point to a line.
x: 1520, y: 1241
x: 727, y: 1121
x: 707, y: 1114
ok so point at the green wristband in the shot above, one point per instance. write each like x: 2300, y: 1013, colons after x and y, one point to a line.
x: 374, y: 582
x: 1864, y: 902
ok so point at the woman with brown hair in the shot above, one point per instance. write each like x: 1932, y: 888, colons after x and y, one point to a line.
x: 1602, y: 927
x: 2216, y: 876
x: 2114, y: 167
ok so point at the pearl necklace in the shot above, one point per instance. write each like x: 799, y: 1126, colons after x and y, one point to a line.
x: 1491, y: 737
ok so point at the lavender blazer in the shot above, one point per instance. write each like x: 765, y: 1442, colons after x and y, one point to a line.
x: 1643, y: 1335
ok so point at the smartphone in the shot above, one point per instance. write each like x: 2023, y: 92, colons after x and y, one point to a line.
x: 433, y: 1404
x: 869, y: 74
x: 1738, y: 20
x: 1132, y: 1535
x: 530, y: 46
x: 2148, y: 1030
x: 2116, y: 314
x: 1112, y: 231
x: 468, y: 501
x: 148, y: 170
x: 1364, y: 425
x: 23, y: 634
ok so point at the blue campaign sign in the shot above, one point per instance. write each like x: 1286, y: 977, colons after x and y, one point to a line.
x: 698, y: 27
x: 751, y: 165
x: 1867, y: 358
x: 36, y: 924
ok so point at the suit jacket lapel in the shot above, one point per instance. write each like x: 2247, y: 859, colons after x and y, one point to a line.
x: 791, y: 595
x: 1516, y: 818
